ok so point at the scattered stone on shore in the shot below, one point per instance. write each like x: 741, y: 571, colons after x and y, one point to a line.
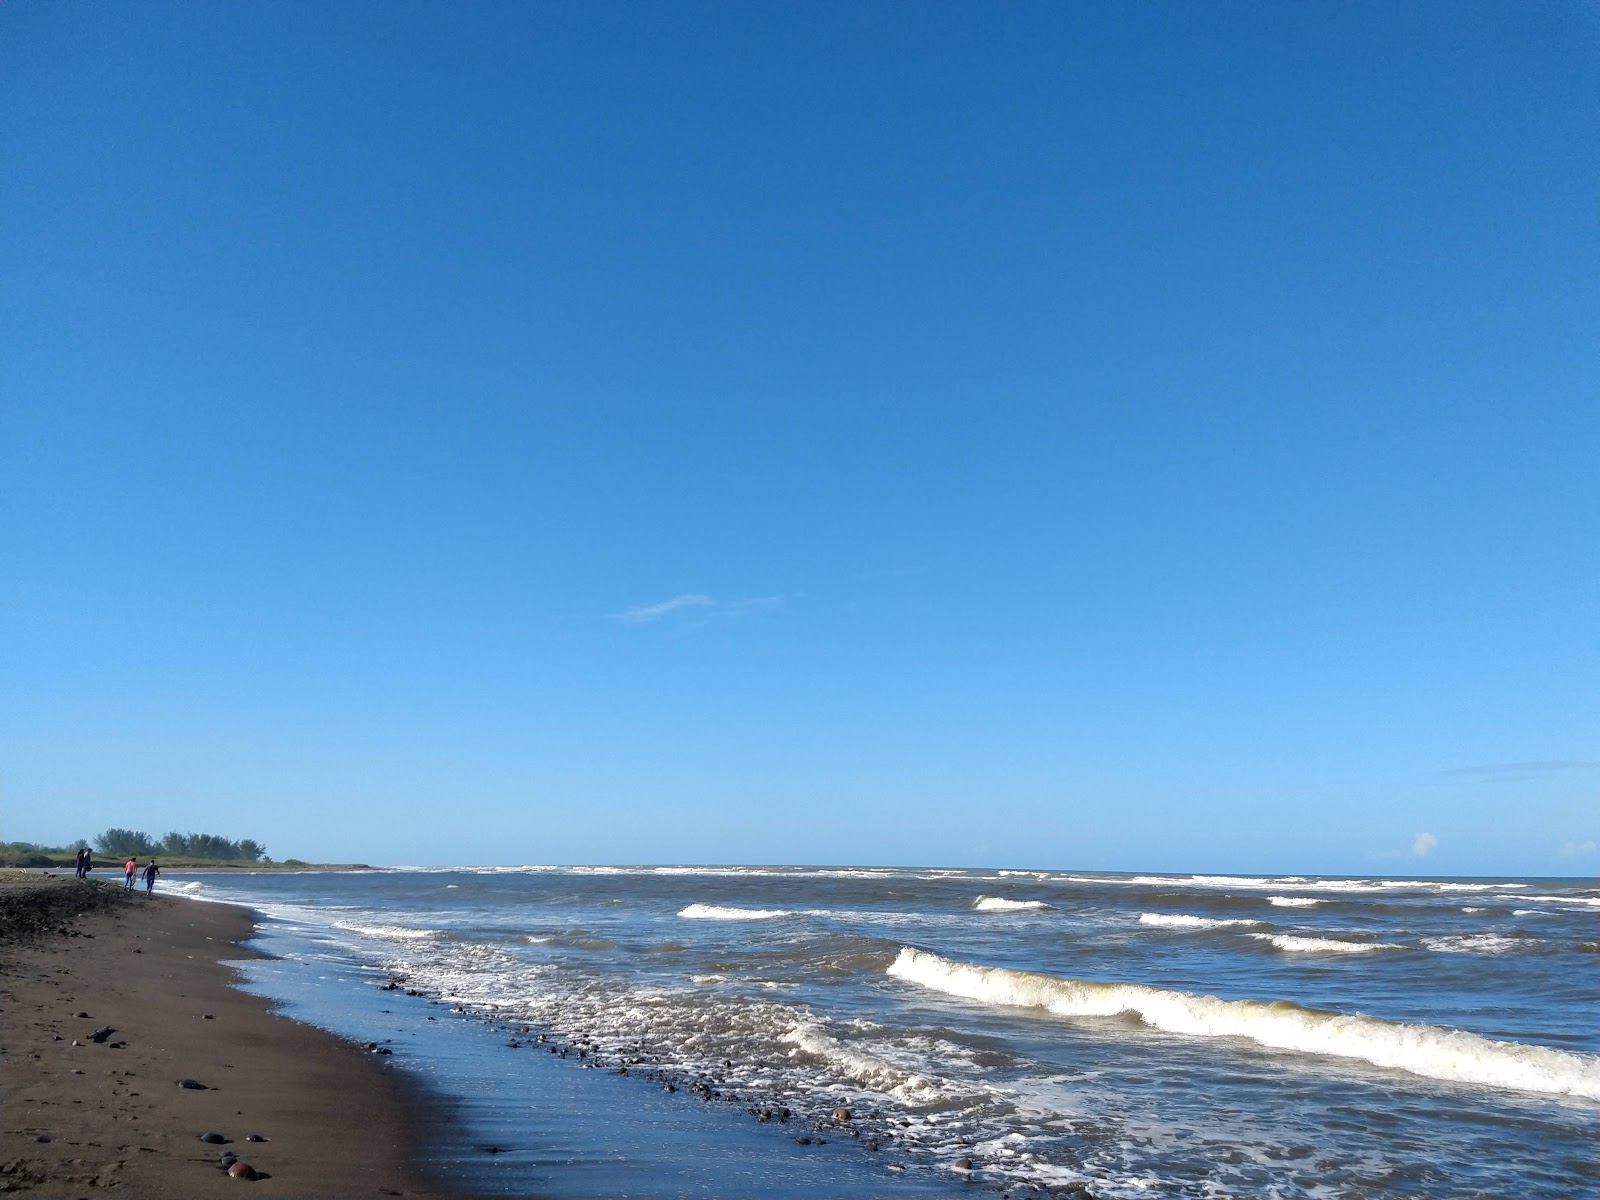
x: 43, y: 1137
x: 101, y: 1034
x: 214, y: 1136
x: 841, y: 1115
x: 963, y: 1164
x: 193, y: 1085
x: 242, y: 1170
x: 81, y: 1015
x: 254, y: 1137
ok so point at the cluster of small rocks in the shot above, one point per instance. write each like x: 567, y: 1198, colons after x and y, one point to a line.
x: 229, y: 1161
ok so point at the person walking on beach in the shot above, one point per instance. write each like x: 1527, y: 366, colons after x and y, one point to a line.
x: 80, y: 864
x: 88, y: 862
x: 130, y: 871
x: 150, y: 873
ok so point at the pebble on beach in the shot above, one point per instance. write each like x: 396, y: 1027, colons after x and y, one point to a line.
x: 213, y: 1136
x: 242, y: 1170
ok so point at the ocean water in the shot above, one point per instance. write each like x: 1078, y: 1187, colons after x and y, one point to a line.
x: 1005, y: 1031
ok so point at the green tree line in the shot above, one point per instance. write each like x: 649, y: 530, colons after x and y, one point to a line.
x: 118, y: 842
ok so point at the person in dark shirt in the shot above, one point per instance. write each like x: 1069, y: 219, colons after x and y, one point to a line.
x: 150, y: 873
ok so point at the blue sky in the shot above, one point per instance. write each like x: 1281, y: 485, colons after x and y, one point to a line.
x: 1110, y: 436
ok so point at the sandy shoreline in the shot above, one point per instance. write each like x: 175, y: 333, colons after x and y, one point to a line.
x: 78, y: 1118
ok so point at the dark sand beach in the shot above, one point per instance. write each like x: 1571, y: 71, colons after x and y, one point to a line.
x: 78, y: 1116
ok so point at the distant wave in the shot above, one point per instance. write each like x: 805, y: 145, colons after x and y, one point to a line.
x: 1587, y: 901
x: 1426, y: 1050
x: 1001, y: 904
x: 1292, y: 944
x: 1302, y: 883
x: 1185, y: 921
x: 716, y: 912
x: 1293, y: 901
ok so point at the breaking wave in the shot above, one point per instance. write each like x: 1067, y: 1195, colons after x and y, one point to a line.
x: 1292, y: 944
x: 1001, y: 904
x: 1426, y: 1050
x: 1293, y: 901
x: 1185, y: 921
x: 717, y: 912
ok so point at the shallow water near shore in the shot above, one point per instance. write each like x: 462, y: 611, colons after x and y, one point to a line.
x: 1141, y: 1035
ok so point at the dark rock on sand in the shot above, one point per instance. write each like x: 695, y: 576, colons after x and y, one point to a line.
x: 963, y: 1164
x: 101, y: 1034
x: 193, y: 1085
x: 83, y: 1015
x: 43, y: 1137
x: 242, y: 1170
x: 841, y: 1114
x: 254, y: 1137
x: 213, y: 1136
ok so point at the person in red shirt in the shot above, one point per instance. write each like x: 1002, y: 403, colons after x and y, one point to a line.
x: 131, y: 870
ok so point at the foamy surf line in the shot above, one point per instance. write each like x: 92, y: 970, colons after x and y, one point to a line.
x: 1426, y: 1050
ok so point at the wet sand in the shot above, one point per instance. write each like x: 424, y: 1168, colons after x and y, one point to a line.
x: 77, y: 1116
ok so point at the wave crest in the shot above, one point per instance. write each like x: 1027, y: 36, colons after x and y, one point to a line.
x: 1292, y: 944
x: 1001, y: 904
x: 717, y: 912
x: 1185, y: 921
x: 1426, y: 1050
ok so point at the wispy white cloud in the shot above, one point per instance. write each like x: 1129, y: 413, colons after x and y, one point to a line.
x: 639, y: 614
x: 1578, y: 849
x: 695, y: 602
x: 1423, y: 845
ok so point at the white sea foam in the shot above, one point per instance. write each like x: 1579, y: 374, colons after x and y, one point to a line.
x: 399, y: 933
x: 717, y: 912
x: 1474, y: 943
x: 1293, y: 901
x: 1001, y: 904
x: 1426, y: 1050
x: 1185, y: 921
x: 865, y: 1068
x: 1293, y: 944
x: 1586, y: 901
